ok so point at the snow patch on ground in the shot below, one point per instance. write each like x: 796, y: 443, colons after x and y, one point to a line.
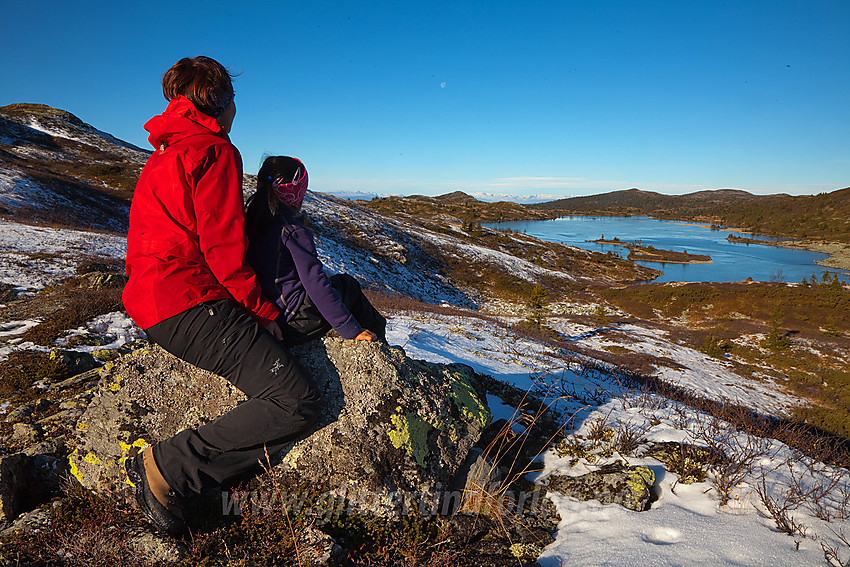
x: 702, y: 374
x: 17, y: 190
x: 33, y: 256
x: 686, y: 525
x: 14, y: 328
x: 90, y: 136
x: 116, y: 326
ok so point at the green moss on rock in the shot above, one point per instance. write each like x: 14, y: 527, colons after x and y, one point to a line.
x: 467, y: 401
x: 410, y: 434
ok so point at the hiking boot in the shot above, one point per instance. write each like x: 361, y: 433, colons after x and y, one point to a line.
x: 160, y: 505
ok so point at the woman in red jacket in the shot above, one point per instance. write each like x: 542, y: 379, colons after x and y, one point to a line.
x: 193, y: 293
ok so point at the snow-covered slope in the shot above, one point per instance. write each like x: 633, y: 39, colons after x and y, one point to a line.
x: 56, y: 168
x: 33, y: 256
x: 687, y: 524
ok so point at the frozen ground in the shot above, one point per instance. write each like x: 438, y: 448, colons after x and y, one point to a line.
x: 687, y: 525
x: 33, y: 256
x: 703, y: 374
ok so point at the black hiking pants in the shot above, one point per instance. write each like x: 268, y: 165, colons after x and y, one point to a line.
x: 222, y: 337
x: 308, y: 323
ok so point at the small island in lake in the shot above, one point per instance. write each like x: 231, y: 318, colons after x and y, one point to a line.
x: 638, y: 251
x: 745, y: 240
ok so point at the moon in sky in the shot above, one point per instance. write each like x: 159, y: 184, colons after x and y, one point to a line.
x: 443, y: 85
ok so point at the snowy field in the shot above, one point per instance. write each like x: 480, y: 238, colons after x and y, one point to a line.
x: 33, y: 256
x: 686, y: 525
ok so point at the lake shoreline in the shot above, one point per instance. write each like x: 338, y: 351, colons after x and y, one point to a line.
x: 838, y: 252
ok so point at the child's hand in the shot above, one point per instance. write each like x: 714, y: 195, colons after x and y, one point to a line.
x: 275, y: 330
x: 366, y: 335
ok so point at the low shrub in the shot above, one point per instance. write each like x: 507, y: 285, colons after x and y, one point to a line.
x: 23, y: 368
x: 7, y: 292
x: 715, y: 346
x: 81, y: 307
x: 85, y: 530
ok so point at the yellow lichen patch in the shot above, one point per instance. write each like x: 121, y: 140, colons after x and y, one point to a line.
x: 646, y: 474
x: 107, y: 367
x: 640, y: 482
x: 116, y: 385
x: 467, y: 401
x: 526, y: 551
x: 82, y: 426
x: 410, y: 433
x: 72, y: 465
x: 91, y: 458
x: 140, y: 444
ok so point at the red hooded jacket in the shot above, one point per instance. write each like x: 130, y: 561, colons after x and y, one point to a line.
x: 186, y: 242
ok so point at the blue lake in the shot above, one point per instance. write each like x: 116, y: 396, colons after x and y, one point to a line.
x: 731, y: 261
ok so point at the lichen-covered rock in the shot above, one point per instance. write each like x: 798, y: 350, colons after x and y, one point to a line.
x: 315, y: 547
x: 28, y: 522
x: 103, y: 280
x: 30, y: 477
x: 155, y: 548
x: 25, y: 434
x: 72, y: 361
x: 20, y: 413
x: 392, y: 429
x: 141, y: 398
x: 616, y: 483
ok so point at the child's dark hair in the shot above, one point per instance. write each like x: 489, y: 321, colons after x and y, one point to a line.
x: 202, y: 80
x: 263, y: 206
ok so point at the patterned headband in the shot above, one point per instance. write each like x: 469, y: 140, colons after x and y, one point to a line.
x: 291, y: 193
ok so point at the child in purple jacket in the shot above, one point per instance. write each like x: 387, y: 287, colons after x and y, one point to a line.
x: 282, y: 252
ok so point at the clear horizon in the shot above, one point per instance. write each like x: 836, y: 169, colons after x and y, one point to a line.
x: 556, y: 99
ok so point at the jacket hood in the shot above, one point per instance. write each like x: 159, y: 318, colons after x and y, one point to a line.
x: 180, y: 120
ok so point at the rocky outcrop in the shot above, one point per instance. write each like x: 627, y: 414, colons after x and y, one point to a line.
x: 393, y: 430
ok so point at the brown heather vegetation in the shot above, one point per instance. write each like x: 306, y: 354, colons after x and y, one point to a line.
x: 74, y: 306
x: 805, y: 345
x: 458, y: 205
x: 97, y: 177
x: 62, y: 307
x: 91, y: 530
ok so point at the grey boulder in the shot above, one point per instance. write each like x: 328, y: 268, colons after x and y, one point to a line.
x: 393, y: 430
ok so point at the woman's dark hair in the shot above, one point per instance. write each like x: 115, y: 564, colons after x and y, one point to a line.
x: 202, y: 80
x: 263, y: 206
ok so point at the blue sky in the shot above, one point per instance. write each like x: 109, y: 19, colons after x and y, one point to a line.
x: 554, y: 98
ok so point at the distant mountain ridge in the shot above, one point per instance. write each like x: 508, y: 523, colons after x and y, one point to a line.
x: 825, y: 216
x: 632, y: 201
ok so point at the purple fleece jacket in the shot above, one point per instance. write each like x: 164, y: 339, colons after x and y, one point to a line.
x: 288, y: 268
